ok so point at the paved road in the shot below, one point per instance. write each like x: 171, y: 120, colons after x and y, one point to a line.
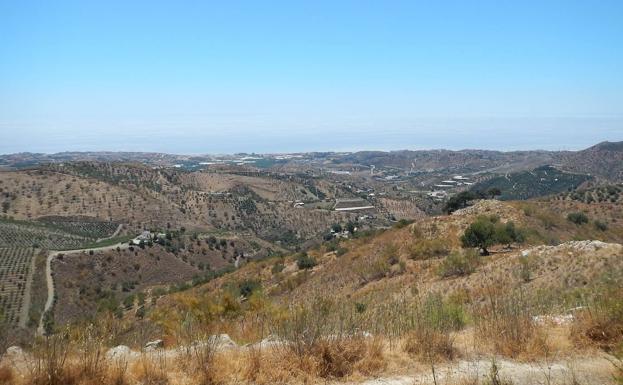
x: 50, y: 280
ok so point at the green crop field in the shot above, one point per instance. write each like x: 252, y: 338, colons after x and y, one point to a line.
x: 15, y: 264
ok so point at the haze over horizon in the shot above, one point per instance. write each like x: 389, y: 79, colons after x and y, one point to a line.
x: 192, y: 78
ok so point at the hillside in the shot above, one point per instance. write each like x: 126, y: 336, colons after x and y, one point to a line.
x: 140, y: 197
x: 266, y: 258
x: 366, y: 265
x: 384, y: 303
x: 603, y: 159
x: 541, y: 181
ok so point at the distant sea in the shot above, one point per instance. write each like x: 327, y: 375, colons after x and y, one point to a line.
x: 201, y: 138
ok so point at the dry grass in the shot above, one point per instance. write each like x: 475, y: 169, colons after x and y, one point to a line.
x: 7, y: 375
x: 150, y: 369
x: 504, y: 323
x: 600, y: 324
x: 430, y: 344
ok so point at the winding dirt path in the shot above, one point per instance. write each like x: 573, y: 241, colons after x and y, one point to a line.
x: 50, y: 279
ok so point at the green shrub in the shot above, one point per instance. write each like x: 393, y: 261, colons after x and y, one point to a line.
x: 304, y: 261
x: 601, y: 226
x: 578, y: 218
x: 278, y: 268
x: 402, y: 223
x: 247, y: 287
x: 429, y: 248
x: 459, y: 263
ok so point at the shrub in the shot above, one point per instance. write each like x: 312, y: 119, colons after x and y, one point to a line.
x: 304, y: 261
x: 371, y: 267
x: 578, y: 218
x: 526, y: 265
x: 429, y: 248
x: 360, y: 307
x: 434, y: 319
x: 278, y: 268
x: 459, y: 263
x: 247, y: 287
x: 601, y: 226
x: 601, y: 323
x: 508, y: 317
x: 402, y: 223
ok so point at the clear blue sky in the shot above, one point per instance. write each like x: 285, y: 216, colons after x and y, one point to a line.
x: 228, y: 76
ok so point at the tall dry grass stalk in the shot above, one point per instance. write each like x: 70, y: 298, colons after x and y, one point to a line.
x: 151, y: 369
x: 505, y: 322
x: 50, y: 361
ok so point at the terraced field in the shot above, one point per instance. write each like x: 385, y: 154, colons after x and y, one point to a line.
x: 15, y: 265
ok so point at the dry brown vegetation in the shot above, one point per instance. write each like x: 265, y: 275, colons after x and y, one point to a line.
x: 374, y: 305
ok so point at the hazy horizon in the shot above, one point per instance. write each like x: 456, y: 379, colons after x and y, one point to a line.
x: 215, y: 77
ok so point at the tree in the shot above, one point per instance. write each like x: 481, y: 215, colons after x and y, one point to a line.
x: 337, y: 228
x: 350, y: 227
x: 487, y: 231
x: 461, y: 200
x: 494, y: 192
x: 304, y: 261
x: 507, y: 234
x: 481, y: 234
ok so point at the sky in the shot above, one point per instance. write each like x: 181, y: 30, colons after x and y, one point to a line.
x: 285, y: 76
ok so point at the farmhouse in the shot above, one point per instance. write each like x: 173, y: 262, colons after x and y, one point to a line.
x: 145, y: 236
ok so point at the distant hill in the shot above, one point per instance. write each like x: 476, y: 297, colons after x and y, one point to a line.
x: 541, y: 181
x: 604, y: 160
x: 608, y: 146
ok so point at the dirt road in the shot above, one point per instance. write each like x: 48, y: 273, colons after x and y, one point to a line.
x: 50, y: 279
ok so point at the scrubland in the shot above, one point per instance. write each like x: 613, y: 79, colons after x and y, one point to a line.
x: 400, y: 306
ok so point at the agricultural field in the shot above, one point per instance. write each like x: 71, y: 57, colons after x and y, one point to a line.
x: 605, y: 194
x: 48, y: 236
x: 15, y: 265
x: 84, y: 226
x: 541, y: 181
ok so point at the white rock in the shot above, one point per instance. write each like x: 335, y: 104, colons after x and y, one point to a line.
x: 120, y: 351
x: 153, y: 345
x: 268, y: 342
x: 15, y: 353
x: 222, y: 341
